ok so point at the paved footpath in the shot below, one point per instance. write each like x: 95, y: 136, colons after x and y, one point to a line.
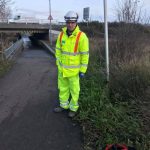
x: 28, y: 94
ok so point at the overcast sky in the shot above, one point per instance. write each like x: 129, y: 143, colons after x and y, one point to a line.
x: 40, y: 8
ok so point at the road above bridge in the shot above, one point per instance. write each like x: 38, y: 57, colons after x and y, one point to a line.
x: 28, y: 94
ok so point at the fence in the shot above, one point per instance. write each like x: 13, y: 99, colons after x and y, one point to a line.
x: 28, y: 20
x: 9, y: 52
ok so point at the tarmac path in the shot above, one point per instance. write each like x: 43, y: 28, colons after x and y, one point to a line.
x: 28, y: 94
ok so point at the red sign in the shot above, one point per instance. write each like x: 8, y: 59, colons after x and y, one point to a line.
x: 50, y: 17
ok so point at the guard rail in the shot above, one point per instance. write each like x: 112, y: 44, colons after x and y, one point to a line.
x: 9, y: 52
x: 51, y: 50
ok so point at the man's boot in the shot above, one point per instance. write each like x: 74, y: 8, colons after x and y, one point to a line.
x: 71, y: 114
x: 58, y: 109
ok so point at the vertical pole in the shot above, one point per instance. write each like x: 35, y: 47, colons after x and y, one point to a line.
x: 50, y: 26
x: 87, y: 22
x: 106, y: 39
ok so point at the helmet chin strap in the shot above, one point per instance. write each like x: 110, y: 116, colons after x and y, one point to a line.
x: 70, y: 32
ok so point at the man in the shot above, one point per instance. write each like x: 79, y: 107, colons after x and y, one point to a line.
x: 72, y: 56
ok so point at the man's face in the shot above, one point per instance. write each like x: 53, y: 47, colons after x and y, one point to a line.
x: 71, y: 25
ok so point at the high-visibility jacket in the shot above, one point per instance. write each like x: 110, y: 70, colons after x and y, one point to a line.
x: 72, y: 52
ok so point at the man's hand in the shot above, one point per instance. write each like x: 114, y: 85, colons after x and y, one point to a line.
x: 81, y: 74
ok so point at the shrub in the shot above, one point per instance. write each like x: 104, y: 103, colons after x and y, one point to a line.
x: 4, y: 67
x: 109, y: 113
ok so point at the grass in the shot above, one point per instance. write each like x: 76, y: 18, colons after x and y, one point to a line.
x: 4, y: 67
x: 110, y: 113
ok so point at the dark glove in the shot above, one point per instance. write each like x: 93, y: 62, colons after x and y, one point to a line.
x: 81, y: 74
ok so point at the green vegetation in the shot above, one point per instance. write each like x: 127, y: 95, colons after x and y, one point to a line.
x: 4, y: 67
x: 117, y: 112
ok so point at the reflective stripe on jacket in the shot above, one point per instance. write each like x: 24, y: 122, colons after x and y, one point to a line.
x: 70, y: 61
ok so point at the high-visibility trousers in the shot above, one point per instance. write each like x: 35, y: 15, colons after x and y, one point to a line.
x: 68, y: 86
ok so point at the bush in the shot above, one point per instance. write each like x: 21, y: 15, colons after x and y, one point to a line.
x: 91, y: 28
x: 109, y: 113
x: 4, y: 67
x: 130, y: 80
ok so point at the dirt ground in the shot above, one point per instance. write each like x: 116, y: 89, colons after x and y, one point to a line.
x: 28, y: 94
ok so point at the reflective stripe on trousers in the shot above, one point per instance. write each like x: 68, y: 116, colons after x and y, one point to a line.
x: 64, y: 104
x: 69, y: 86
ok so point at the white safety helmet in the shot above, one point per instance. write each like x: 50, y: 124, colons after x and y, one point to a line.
x: 71, y: 16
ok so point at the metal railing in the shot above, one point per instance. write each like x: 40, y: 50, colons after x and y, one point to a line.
x: 27, y: 20
x: 9, y: 52
x: 51, y: 50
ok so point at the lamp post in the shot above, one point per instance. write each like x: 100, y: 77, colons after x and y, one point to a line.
x: 50, y: 26
x: 106, y: 39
